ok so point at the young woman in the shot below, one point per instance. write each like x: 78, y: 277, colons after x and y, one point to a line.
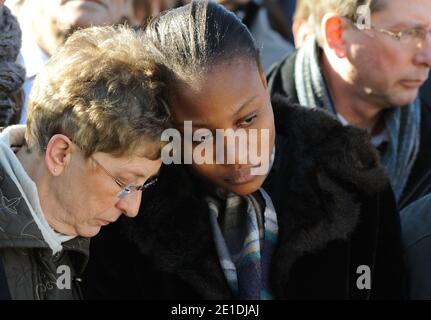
x: 321, y: 224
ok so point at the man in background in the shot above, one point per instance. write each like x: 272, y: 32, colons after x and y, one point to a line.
x: 366, y: 65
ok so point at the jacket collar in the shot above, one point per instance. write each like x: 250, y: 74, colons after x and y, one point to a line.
x: 281, y: 78
x: 324, y: 171
x: 18, y: 228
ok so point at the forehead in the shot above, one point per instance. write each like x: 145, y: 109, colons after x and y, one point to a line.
x: 402, y: 12
x: 220, y: 93
x: 139, y: 166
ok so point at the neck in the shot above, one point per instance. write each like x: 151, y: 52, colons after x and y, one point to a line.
x: 52, y: 209
x: 353, y: 107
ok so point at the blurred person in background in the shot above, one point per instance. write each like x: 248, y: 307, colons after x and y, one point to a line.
x: 11, y: 74
x: 280, y: 14
x: 47, y: 24
x: 288, y: 7
x: 255, y: 15
x: 301, y: 27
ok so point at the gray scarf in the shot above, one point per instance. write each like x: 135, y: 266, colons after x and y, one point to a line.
x: 245, y: 233
x: 402, y: 124
x: 12, y: 75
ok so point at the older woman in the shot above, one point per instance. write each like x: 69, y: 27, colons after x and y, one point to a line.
x: 91, y: 145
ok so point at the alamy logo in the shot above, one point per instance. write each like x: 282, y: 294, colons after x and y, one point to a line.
x: 61, y: 280
x: 64, y: 280
x: 364, y: 280
x: 246, y: 147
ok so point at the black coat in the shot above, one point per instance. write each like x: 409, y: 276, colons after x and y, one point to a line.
x: 335, y: 213
x: 281, y: 80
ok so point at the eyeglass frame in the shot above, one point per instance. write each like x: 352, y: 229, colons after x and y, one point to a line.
x: 398, y: 35
x: 126, y: 188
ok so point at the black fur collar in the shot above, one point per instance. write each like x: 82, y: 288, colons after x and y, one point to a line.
x: 322, y: 171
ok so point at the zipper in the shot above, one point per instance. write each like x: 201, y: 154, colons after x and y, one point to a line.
x: 78, y: 282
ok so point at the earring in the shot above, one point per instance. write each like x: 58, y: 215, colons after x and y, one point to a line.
x: 55, y: 170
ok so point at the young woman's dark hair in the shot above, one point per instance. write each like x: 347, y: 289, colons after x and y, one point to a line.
x: 189, y: 41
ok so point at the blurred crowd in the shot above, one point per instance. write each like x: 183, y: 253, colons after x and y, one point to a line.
x: 45, y: 26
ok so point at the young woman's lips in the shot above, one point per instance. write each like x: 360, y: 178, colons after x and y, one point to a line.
x: 242, y: 176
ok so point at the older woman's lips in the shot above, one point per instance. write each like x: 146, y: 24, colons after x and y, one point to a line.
x: 104, y: 222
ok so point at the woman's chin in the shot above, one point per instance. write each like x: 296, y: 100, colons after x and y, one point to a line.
x: 89, y: 231
x: 244, y: 188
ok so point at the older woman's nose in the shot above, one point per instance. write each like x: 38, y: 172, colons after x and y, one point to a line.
x: 130, y: 204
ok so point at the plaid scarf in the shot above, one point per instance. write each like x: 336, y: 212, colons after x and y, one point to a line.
x: 245, y: 233
x: 402, y: 124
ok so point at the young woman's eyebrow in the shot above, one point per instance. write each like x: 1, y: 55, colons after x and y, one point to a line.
x: 198, y: 125
x: 245, y: 104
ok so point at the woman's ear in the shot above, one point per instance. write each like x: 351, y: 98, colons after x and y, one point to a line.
x: 262, y: 75
x: 333, y: 28
x: 58, y: 154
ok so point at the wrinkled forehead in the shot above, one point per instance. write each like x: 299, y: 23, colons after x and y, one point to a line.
x: 145, y: 148
x: 137, y: 165
x: 402, y: 13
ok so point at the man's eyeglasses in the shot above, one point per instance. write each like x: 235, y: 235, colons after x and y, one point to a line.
x: 412, y: 36
x: 126, y: 188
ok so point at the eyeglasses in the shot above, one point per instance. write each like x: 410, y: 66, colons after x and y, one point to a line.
x: 411, y: 36
x: 126, y: 188
x: 129, y: 188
